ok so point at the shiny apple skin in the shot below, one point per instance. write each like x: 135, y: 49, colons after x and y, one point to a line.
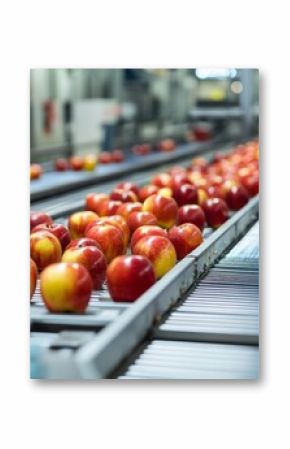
x: 126, y: 185
x: 236, y: 197
x: 125, y: 196
x: 78, y: 221
x: 109, y: 207
x: 185, y: 238
x: 191, y: 213
x: 126, y: 208
x: 165, y: 210
x: 251, y: 184
x: 33, y: 277
x: 66, y: 287
x: 186, y: 194
x: 82, y: 242
x: 94, y: 200
x: 45, y: 249
x: 216, y: 212
x: 115, y: 220
x: 92, y: 258
x: 110, y: 239
x: 147, y: 191
x: 128, y: 277
x: 57, y: 229
x: 159, y: 250
x: 37, y: 218
x: 61, y: 164
x: 77, y: 163
x: 137, y: 219
x: 145, y: 231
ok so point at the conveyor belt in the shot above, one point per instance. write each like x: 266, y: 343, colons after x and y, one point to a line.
x: 223, y: 307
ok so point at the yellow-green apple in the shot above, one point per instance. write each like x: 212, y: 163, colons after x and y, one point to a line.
x: 45, y: 249
x: 191, y: 213
x: 110, y: 239
x: 146, y: 230
x: 159, y: 250
x: 66, y: 287
x: 92, y: 258
x: 166, y: 191
x: 165, y: 210
x: 78, y: 221
x: 128, y: 277
x: 90, y: 162
x: 57, y: 229
x: 33, y: 277
x: 185, y: 238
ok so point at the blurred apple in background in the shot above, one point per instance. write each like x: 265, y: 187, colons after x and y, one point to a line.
x: 66, y: 287
x: 128, y: 277
x: 105, y: 157
x: 126, y: 185
x: 77, y: 163
x: 147, y: 191
x: 35, y: 171
x: 90, y: 162
x: 61, y: 164
x: 117, y: 156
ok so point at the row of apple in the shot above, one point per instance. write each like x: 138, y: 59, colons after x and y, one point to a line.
x: 90, y: 161
x: 161, y: 223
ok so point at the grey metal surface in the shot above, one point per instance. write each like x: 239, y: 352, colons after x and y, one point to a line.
x: 192, y: 360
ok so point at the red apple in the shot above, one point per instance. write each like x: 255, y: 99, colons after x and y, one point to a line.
x: 128, y: 277
x: 185, y: 239
x: 191, y: 213
x: 94, y: 201
x: 105, y: 157
x: 110, y: 239
x: 109, y: 207
x: 167, y: 145
x: 147, y: 191
x: 251, y: 184
x: 37, y: 218
x: 115, y: 220
x: 82, y: 242
x: 92, y: 258
x: 186, y: 194
x: 78, y: 221
x: 57, y: 229
x: 137, y: 219
x: 163, y: 180
x: 216, y: 211
x: 33, y: 277
x: 126, y: 185
x: 77, y: 163
x: 126, y: 208
x: 45, y: 249
x: 66, y: 287
x: 146, y: 230
x: 236, y: 197
x: 35, y: 171
x: 125, y: 196
x: 159, y: 250
x: 165, y: 210
x: 117, y: 156
x: 61, y: 164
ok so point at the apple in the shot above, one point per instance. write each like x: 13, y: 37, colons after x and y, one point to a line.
x: 186, y: 194
x: 200, y: 163
x: 216, y: 191
x: 144, y: 231
x: 141, y: 150
x: 115, y: 220
x: 146, y: 191
x: 45, y: 249
x: 82, y: 242
x: 236, y: 197
x: 37, y: 218
x: 78, y: 221
x: 159, y: 250
x: 61, y: 164
x: 167, y: 145
x: 110, y: 239
x: 92, y: 258
x: 166, y: 191
x: 191, y: 213
x: 66, y: 287
x: 125, y: 196
x: 117, y: 156
x: 57, y: 229
x: 109, y: 207
x: 77, y: 163
x: 35, y: 171
x: 126, y: 208
x: 128, y: 277
x: 105, y: 157
x: 90, y: 162
x: 251, y: 184
x: 126, y: 185
x: 165, y: 209
x: 137, y: 219
x: 201, y: 196
x: 33, y: 277
x: 162, y: 180
x: 94, y: 200
x: 185, y: 238
x: 216, y: 212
